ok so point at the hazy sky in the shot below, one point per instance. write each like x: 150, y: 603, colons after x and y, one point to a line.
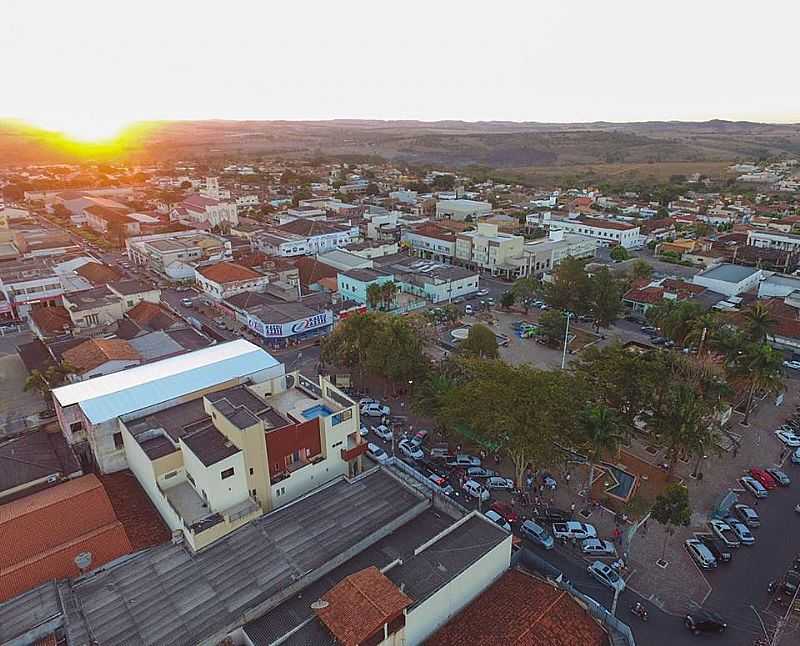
x: 88, y: 66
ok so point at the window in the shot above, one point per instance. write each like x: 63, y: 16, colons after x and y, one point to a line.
x: 227, y: 473
x: 251, y: 470
x: 91, y: 319
x: 169, y: 475
x: 118, y: 443
x: 76, y: 427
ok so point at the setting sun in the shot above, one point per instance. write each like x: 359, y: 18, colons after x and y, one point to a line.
x: 84, y: 129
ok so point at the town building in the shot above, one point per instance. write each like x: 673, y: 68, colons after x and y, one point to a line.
x: 608, y: 233
x: 225, y: 279
x: 204, y: 212
x: 96, y: 357
x: 175, y: 255
x: 730, y: 280
x: 773, y: 240
x: 88, y: 411
x: 105, y: 220
x: 487, y: 249
x: 462, y: 210
x: 431, y: 242
x: 30, y: 283
x: 97, y: 310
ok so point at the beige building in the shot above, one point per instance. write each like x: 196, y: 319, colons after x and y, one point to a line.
x: 100, y: 307
x: 487, y: 249
x: 175, y: 255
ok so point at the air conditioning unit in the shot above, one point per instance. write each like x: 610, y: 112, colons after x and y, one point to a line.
x: 52, y: 479
x: 177, y: 537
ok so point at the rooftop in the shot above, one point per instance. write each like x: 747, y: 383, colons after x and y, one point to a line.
x: 607, y: 224
x: 228, y: 272
x: 90, y: 299
x: 34, y: 456
x: 209, y: 592
x: 729, y: 273
x: 109, y: 396
x: 93, y: 353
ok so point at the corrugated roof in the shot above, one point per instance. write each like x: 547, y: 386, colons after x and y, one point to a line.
x: 110, y: 396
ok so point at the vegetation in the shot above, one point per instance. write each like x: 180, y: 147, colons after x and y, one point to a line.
x: 524, y: 290
x: 553, y: 326
x: 672, y: 509
x: 605, y: 302
x: 598, y: 434
x: 619, y: 253
x: 480, y: 342
x: 570, y: 288
x: 641, y: 270
x: 44, y: 382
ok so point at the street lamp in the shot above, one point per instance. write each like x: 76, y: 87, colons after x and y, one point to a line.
x: 566, y: 339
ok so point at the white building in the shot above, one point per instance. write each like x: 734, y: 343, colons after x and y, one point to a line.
x: 224, y: 279
x: 462, y: 209
x: 774, y: 240
x: 175, y: 255
x: 205, y: 212
x: 607, y: 232
x: 728, y: 279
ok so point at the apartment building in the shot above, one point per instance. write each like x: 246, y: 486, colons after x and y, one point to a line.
x: 225, y: 279
x: 431, y: 242
x: 488, y: 249
x: 214, y: 463
x: 607, y: 232
x: 175, y: 255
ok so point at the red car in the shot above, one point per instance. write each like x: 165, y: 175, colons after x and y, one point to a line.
x: 504, y: 509
x: 764, y: 478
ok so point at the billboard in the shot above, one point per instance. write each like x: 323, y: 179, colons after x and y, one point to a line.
x: 284, y: 330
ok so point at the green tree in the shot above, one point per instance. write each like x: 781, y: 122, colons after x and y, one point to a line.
x: 674, y: 318
x: 524, y: 289
x: 606, y: 298
x: 508, y: 298
x: 759, y: 323
x: 641, y: 270
x: 520, y: 408
x: 444, y: 182
x: 388, y: 294
x: 570, y: 287
x: 480, y: 342
x: 762, y: 367
x: 598, y: 434
x: 374, y: 295
x: 431, y: 397
x: 553, y: 325
x: 702, y: 331
x: 670, y: 510
x: 619, y: 253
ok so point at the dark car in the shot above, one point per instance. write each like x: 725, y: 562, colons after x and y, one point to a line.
x: 704, y: 621
x: 717, y: 549
x: 551, y: 515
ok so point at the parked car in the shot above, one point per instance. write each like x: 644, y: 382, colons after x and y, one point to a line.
x: 464, y: 460
x: 363, y: 431
x: 498, y: 519
x: 375, y: 410
x: 367, y: 400
x: 505, y: 510
x: 796, y: 457
x: 787, y: 584
x: 598, y: 547
x: 383, y: 432
x: 704, y: 621
x: 724, y: 532
x: 536, y: 534
x: 780, y: 477
x: 748, y: 515
x: 792, y: 365
x: 468, y: 309
x: 480, y: 472
x: 483, y: 292
x: 496, y: 482
x: 767, y: 481
x: 410, y: 451
x: 574, y: 529
x: 551, y: 515
x: 789, y: 438
x: 741, y: 530
x: 475, y: 490
x: 186, y: 302
x: 721, y: 552
x: 607, y: 575
x: 440, y: 451
x: 753, y: 486
x: 700, y: 553
x: 419, y: 438
x: 377, y: 453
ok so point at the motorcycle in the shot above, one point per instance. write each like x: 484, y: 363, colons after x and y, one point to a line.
x: 639, y: 610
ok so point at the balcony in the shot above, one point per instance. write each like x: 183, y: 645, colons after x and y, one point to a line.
x: 354, y: 452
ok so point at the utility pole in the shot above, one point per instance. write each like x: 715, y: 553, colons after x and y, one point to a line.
x: 614, y: 604
x: 784, y: 621
x: 566, y: 340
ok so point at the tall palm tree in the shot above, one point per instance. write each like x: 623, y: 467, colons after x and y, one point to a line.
x: 388, y: 293
x: 599, y: 432
x: 759, y: 323
x: 702, y: 331
x: 374, y: 295
x: 762, y: 366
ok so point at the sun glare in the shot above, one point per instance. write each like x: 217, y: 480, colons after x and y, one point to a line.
x: 88, y: 129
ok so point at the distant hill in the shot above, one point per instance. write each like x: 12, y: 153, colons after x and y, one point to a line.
x: 497, y: 144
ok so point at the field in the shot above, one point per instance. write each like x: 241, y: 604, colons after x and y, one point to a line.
x: 631, y: 172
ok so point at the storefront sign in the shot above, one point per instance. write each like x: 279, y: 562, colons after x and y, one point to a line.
x: 283, y: 330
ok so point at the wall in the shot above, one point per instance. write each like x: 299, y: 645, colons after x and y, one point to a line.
x: 220, y: 494
x: 108, y: 368
x: 281, y: 442
x: 423, y: 620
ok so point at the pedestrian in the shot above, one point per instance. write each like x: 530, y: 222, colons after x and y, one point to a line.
x: 735, y: 450
x: 567, y: 477
x: 572, y: 510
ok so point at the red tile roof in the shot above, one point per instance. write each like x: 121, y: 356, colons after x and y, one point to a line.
x: 51, y: 320
x: 434, y: 231
x: 151, y: 316
x: 141, y: 520
x: 360, y: 604
x: 98, y: 274
x: 95, y: 352
x: 681, y: 288
x: 521, y: 610
x: 42, y: 533
x: 650, y: 295
x: 607, y: 224
x: 228, y: 272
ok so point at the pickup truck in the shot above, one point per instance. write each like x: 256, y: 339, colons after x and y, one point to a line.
x: 574, y: 529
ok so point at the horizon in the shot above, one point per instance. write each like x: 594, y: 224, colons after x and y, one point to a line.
x: 571, y: 63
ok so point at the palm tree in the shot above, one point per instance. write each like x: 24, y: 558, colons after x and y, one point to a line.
x: 388, y: 293
x: 702, y: 330
x: 599, y: 429
x: 759, y: 323
x: 762, y: 366
x: 374, y: 296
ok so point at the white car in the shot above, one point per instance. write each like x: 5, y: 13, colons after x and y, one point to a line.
x: 468, y: 309
x: 788, y: 438
x: 383, y: 432
x: 498, y: 519
x: 363, y: 431
x: 475, y: 490
x: 598, y: 547
x: 375, y: 410
x: 574, y: 529
x: 793, y: 365
x: 464, y: 460
x: 186, y: 302
x: 607, y: 575
x: 483, y: 292
x: 724, y: 532
x: 496, y: 482
x: 700, y: 553
x: 409, y: 450
x: 741, y: 530
x: 753, y: 486
x: 377, y: 453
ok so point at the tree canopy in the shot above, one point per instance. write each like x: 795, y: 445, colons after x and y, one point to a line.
x: 481, y: 342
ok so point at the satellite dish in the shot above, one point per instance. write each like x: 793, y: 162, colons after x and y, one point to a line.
x: 83, y: 560
x: 319, y: 604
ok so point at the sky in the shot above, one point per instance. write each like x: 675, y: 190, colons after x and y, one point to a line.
x: 88, y: 67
